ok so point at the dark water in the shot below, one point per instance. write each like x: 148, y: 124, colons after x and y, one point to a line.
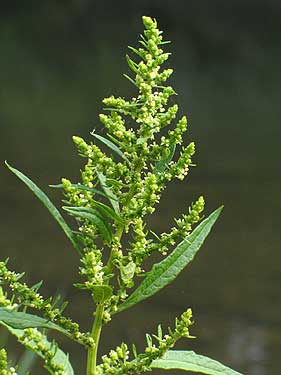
x: 57, y: 63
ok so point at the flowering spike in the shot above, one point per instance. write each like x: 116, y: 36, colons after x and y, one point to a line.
x: 119, y: 188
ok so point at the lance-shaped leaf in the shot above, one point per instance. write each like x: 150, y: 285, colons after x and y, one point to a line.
x: 48, y: 204
x: 94, y: 217
x: 190, y: 361
x: 167, y: 270
x: 82, y: 187
x: 21, y: 320
x: 131, y: 80
x: 102, y: 210
x: 110, y: 145
x: 60, y: 358
x: 108, y: 211
x: 134, y: 66
x: 112, y: 197
x: 137, y: 52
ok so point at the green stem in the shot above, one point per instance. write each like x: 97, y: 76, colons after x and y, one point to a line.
x: 96, y: 331
x: 97, y: 326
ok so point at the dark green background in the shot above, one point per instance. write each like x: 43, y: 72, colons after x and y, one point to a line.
x: 58, y: 60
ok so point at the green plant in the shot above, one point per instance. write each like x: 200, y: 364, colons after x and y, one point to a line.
x: 117, y: 192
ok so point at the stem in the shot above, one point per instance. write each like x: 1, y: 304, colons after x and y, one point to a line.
x: 97, y: 325
x: 96, y: 331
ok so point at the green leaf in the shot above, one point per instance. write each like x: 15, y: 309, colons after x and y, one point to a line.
x: 82, y: 187
x: 26, y: 362
x: 165, y: 42
x: 128, y: 271
x: 94, y: 217
x: 107, y: 211
x: 60, y: 358
x: 48, y: 204
x: 111, y: 145
x: 21, y: 320
x: 190, y: 361
x: 101, y: 293
x: 163, y: 163
x: 103, y: 208
x: 112, y: 197
x: 131, y: 80
x: 167, y: 270
x: 137, y: 52
x: 132, y: 65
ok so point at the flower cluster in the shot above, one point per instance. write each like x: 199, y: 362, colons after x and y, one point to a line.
x: 6, y: 302
x: 29, y: 296
x: 140, y: 245
x: 117, y: 361
x: 34, y: 340
x: 92, y: 268
x: 5, y: 369
x: 183, y: 228
x: 117, y: 358
x: 133, y: 176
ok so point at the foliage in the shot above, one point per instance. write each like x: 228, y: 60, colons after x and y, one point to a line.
x: 118, y: 190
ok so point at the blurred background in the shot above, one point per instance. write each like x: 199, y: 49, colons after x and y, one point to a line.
x: 58, y: 60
